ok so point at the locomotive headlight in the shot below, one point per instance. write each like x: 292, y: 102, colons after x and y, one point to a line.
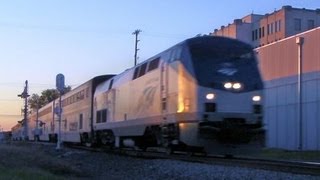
x: 228, y: 85
x: 236, y: 86
x: 256, y: 98
x: 210, y: 96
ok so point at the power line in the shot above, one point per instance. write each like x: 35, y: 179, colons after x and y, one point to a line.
x: 86, y: 30
x: 34, y: 85
x: 10, y: 99
x: 13, y: 115
x: 15, y: 84
x: 164, y: 35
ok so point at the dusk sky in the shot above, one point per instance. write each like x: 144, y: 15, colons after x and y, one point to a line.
x: 83, y: 39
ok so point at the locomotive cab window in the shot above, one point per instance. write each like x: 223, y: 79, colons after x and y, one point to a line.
x: 233, y: 62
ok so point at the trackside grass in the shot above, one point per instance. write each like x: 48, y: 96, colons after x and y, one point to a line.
x: 26, y: 173
x: 281, y: 154
x: 23, y: 161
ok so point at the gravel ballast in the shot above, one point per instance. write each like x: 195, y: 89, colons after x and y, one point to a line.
x: 110, y: 166
x: 99, y: 165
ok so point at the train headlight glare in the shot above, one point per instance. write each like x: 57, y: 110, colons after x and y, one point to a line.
x: 256, y: 98
x: 210, y: 96
x: 181, y: 125
x: 236, y: 86
x: 228, y: 85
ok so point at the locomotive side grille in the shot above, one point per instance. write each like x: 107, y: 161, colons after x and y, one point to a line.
x: 257, y: 109
x: 210, y: 107
x: 234, y: 120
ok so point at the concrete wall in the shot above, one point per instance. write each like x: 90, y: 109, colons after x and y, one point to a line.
x: 278, y: 63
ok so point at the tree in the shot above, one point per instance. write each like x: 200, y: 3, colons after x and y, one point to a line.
x: 48, y: 95
x: 34, y: 101
x: 67, y: 89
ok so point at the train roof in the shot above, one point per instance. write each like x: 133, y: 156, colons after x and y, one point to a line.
x: 94, y: 82
x: 203, y: 40
x: 199, y: 41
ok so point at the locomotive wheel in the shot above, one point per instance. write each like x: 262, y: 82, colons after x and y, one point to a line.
x: 104, y: 140
x: 202, y: 153
x: 88, y: 144
x: 169, y: 150
x: 190, y: 153
x: 36, y: 138
x: 85, y: 140
x: 107, y: 138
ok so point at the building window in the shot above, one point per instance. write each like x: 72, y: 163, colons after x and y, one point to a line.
x: 260, y: 33
x: 252, y: 35
x: 271, y: 28
x: 276, y: 26
x: 268, y: 29
x: 263, y: 31
x: 310, y: 24
x: 297, y: 24
x: 256, y: 34
x: 279, y: 25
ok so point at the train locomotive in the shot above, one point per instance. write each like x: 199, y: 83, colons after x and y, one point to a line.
x: 202, y: 92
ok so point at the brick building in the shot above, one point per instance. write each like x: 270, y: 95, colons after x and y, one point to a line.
x: 259, y: 30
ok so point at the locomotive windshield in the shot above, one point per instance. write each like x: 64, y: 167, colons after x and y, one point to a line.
x: 219, y: 60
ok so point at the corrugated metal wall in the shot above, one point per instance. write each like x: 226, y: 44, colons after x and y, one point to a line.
x: 279, y: 67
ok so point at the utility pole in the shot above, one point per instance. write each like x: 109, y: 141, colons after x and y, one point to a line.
x: 37, y: 133
x: 25, y: 96
x: 136, y: 33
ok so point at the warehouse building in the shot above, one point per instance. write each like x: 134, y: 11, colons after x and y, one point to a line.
x: 291, y: 72
x: 287, y: 43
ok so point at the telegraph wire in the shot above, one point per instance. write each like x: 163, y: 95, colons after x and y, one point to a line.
x: 33, y: 85
x: 164, y: 35
x: 11, y: 115
x: 10, y: 100
x: 82, y: 30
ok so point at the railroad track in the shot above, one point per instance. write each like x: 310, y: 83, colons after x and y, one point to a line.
x: 295, y: 167
x: 265, y: 164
